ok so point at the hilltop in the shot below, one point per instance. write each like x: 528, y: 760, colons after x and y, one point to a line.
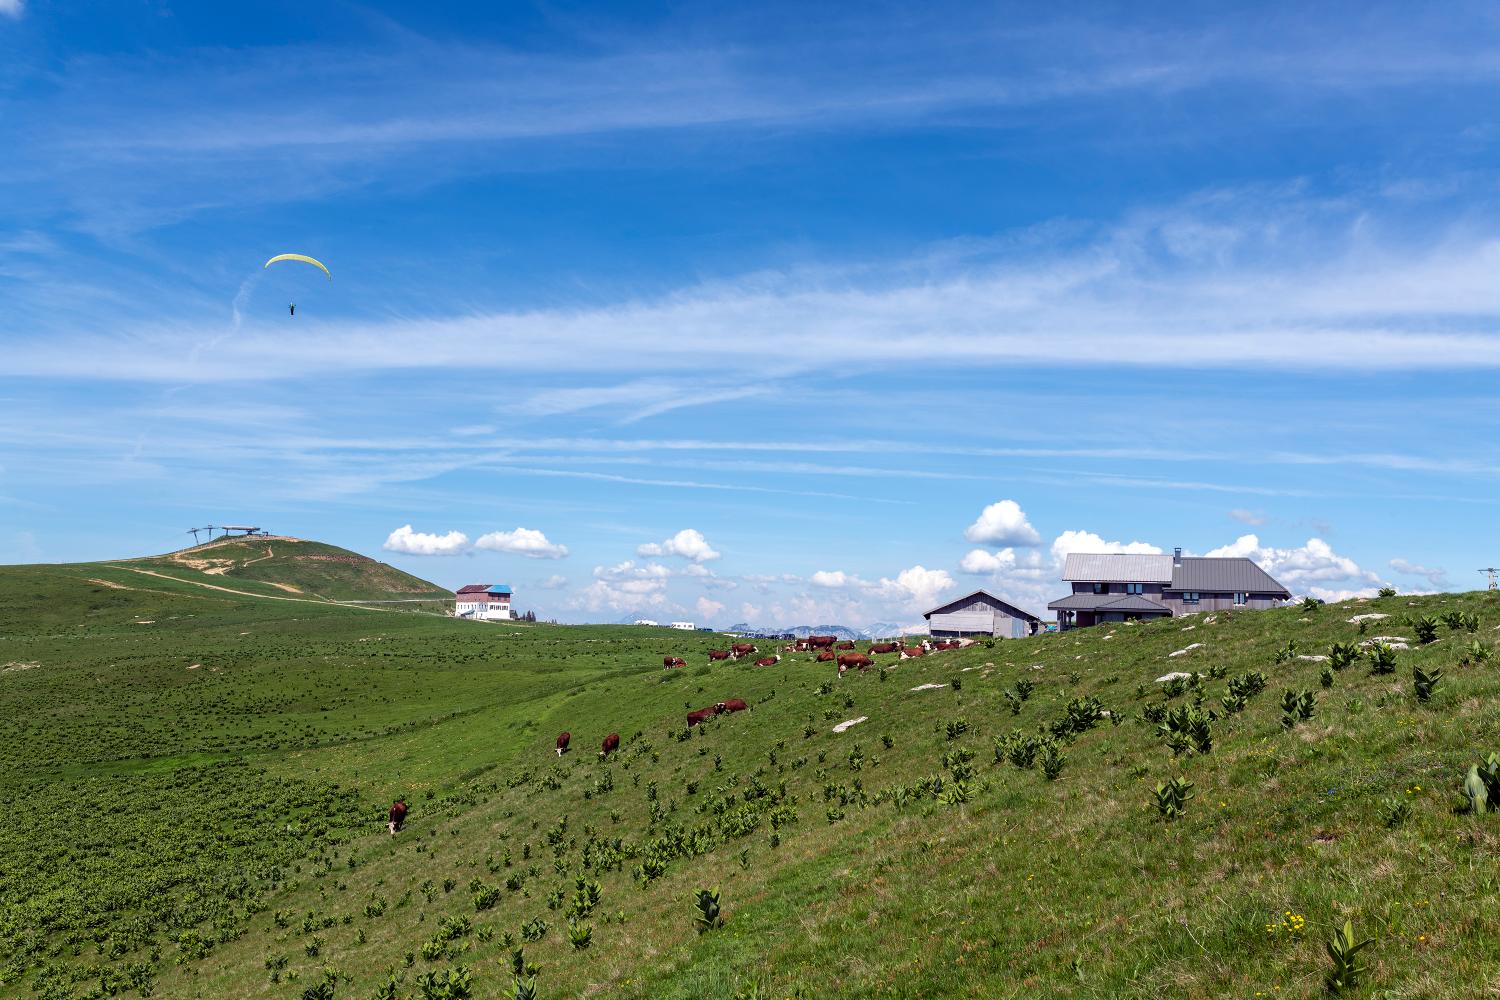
x: 280, y: 565
x: 195, y: 783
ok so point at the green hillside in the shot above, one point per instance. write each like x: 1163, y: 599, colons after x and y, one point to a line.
x: 195, y: 784
x: 283, y: 567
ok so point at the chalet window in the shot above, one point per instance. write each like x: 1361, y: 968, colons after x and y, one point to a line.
x: 1189, y: 597
x: 1241, y: 598
x: 1101, y: 588
x: 1135, y: 588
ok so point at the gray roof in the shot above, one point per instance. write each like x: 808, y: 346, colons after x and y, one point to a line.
x: 1008, y: 607
x: 1108, y: 602
x: 1236, y: 574
x: 1117, y: 567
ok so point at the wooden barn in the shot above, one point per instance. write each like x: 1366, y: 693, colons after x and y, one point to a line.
x: 981, y: 613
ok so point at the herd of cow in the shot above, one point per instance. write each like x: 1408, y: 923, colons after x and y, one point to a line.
x: 826, y: 649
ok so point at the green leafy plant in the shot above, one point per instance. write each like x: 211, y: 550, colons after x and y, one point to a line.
x: 707, y: 915
x: 1342, y: 654
x: 1247, y: 685
x: 1297, y: 706
x: 1023, y: 688
x: 1476, y: 652
x: 525, y: 989
x: 1382, y: 659
x: 1482, y: 785
x: 1191, y: 726
x: 1343, y: 951
x: 1172, y: 797
x: 1425, y: 683
x: 1426, y: 629
x: 1287, y: 652
x: 580, y: 935
x: 1310, y: 604
x: 1052, y: 761
x: 1394, y: 811
x: 1325, y: 676
x: 1386, y: 592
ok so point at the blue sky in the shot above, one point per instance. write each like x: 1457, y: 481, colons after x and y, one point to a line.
x: 789, y: 314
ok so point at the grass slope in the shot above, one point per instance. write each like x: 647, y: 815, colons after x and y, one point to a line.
x: 293, y: 567
x: 884, y: 861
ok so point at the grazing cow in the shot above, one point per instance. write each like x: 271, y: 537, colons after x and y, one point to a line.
x: 859, y: 660
x: 885, y: 647
x: 740, y: 649
x: 610, y: 745
x: 562, y: 743
x: 732, y: 705
x: 821, y: 641
x: 668, y: 662
x: 702, y: 715
x: 768, y: 661
x: 912, y: 652
x: 845, y: 645
x: 718, y: 654
x: 825, y: 657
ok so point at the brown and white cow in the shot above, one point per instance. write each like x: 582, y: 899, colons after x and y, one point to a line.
x: 668, y: 662
x: 857, y: 660
x: 824, y: 657
x: 740, y: 649
x: 562, y: 743
x: 610, y: 745
x: 768, y: 661
x: 702, y: 715
x: 845, y: 645
x: 718, y: 654
x: 885, y: 647
x: 732, y: 705
x: 912, y: 652
x: 821, y: 641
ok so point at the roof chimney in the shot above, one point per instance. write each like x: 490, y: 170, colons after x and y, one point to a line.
x: 1177, y: 556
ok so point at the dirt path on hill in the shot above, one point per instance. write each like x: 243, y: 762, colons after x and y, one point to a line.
x: 242, y: 593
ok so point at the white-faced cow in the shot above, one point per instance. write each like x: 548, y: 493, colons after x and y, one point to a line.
x: 732, y: 705
x: 718, y: 654
x: 740, y: 649
x: 768, y: 661
x: 912, y: 652
x: 562, y: 743
x: 668, y: 662
x: 610, y: 745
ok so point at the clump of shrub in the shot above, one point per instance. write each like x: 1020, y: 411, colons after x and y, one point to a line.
x: 707, y: 915
x: 1297, y: 706
x: 1172, y: 797
x: 1425, y: 683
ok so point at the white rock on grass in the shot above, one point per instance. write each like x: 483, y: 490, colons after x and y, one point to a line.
x: 1176, y: 675
x: 928, y: 687
x: 1187, y: 649
x: 1188, y: 628
x: 1373, y: 616
x: 1311, y: 658
x: 851, y: 722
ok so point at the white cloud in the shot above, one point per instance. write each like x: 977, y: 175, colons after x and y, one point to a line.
x: 1087, y: 541
x: 1003, y: 523
x: 418, y: 543
x: 1434, y: 575
x: 688, y: 543
x: 707, y: 608
x: 1306, y: 568
x: 917, y: 584
x: 12, y: 8
x: 1008, y: 562
x: 1254, y: 518
x: 554, y: 582
x: 831, y: 579
x: 628, y: 570
x: 526, y: 542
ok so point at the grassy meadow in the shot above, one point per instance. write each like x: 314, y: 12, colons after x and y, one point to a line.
x: 195, y: 785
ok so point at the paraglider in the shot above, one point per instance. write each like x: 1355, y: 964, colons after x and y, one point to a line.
x: 304, y: 258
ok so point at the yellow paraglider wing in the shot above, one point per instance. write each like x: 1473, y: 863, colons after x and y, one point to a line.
x: 305, y: 259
